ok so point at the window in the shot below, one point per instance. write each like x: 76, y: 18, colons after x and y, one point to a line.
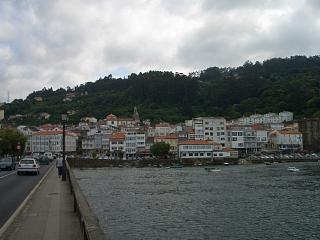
x: 191, y: 154
x: 220, y: 154
x: 201, y: 154
x: 234, y: 139
x: 234, y: 134
x: 208, y: 154
x: 196, y: 154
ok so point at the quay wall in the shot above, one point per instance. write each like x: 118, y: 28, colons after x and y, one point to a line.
x: 90, y: 227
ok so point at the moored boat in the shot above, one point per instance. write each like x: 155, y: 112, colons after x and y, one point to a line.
x: 212, y: 169
x: 293, y: 169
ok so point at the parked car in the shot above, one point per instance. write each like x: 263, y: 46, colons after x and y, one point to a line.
x: 28, y: 165
x: 7, y: 163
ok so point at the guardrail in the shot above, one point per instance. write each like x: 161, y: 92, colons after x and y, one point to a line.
x: 90, y: 227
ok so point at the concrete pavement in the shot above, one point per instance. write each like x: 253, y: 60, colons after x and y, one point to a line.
x: 48, y: 214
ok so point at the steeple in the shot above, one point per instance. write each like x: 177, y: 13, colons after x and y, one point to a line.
x: 135, y: 115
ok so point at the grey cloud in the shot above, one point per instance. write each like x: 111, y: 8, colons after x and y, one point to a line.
x: 240, y: 4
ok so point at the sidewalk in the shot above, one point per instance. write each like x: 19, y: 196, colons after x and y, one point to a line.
x: 48, y: 214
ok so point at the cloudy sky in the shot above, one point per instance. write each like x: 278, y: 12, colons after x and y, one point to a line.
x: 59, y: 43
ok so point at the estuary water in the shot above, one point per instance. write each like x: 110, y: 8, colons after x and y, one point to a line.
x: 239, y: 202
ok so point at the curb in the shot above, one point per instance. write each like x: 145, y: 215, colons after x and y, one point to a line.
x: 22, y: 205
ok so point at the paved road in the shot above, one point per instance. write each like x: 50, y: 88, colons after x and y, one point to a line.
x: 14, y: 189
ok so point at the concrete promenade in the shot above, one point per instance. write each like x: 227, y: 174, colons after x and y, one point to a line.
x: 48, y: 214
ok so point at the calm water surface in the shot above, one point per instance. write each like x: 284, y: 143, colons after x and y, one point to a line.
x: 239, y: 202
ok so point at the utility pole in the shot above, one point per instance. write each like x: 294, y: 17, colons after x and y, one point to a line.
x: 64, y: 119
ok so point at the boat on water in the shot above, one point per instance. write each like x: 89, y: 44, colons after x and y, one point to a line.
x: 177, y: 166
x: 212, y: 169
x: 226, y: 163
x: 293, y: 169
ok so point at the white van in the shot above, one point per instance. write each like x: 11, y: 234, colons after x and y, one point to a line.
x: 49, y: 155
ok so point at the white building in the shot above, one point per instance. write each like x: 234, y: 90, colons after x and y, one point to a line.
x: 286, y: 140
x: 96, y: 140
x: 195, y: 149
x: 286, y: 116
x: 51, y: 141
x: 210, y: 128
x: 247, y: 139
x: 117, y: 145
x: 163, y: 129
x: 268, y: 118
x: 204, y: 149
x: 111, y: 120
x: 135, y: 142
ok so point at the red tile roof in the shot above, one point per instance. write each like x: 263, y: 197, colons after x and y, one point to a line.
x: 111, y: 117
x: 162, y: 125
x: 117, y: 136
x: 171, y: 136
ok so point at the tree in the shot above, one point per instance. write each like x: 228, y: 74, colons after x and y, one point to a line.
x: 9, y: 140
x: 160, y: 149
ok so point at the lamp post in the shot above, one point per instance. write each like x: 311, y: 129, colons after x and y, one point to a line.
x: 64, y: 118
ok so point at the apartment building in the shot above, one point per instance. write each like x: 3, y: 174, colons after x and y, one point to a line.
x: 51, y: 141
x: 210, y: 128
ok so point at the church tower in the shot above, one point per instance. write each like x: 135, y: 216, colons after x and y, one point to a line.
x: 135, y: 115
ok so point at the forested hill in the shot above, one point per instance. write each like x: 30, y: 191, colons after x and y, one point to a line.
x: 291, y: 84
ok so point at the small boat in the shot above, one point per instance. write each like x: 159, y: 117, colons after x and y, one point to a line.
x: 212, y: 169
x: 226, y: 163
x: 293, y: 169
x: 177, y: 166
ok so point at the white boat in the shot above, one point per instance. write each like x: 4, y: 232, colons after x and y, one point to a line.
x: 226, y: 163
x: 212, y: 169
x: 293, y: 169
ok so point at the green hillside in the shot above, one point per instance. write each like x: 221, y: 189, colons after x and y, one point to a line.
x: 291, y: 84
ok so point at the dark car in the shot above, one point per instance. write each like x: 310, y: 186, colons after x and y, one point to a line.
x: 44, y: 161
x: 7, y: 163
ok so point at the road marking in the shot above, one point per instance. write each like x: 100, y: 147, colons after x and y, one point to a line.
x: 8, y: 174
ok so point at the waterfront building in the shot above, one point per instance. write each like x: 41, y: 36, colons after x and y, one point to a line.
x: 97, y: 140
x: 247, y: 139
x: 210, y: 128
x: 310, y: 129
x: 287, y: 139
x: 171, y: 139
x: 135, y: 142
x: 195, y: 149
x: 204, y: 149
x: 51, y: 141
x: 117, y: 145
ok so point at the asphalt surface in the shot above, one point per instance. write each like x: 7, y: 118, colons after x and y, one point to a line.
x: 14, y: 189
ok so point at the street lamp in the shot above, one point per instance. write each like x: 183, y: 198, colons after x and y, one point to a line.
x: 64, y: 118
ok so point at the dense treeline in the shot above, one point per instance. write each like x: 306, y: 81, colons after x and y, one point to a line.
x: 274, y: 85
